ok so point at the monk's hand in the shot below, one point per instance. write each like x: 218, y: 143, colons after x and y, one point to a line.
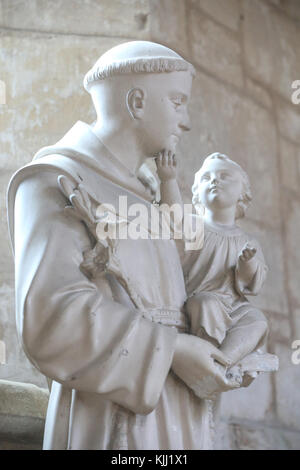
x: 166, y: 165
x: 201, y: 366
x: 80, y: 205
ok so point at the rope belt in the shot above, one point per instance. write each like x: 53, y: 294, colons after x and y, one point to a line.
x: 168, y: 317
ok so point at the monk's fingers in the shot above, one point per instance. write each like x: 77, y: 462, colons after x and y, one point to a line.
x: 79, y: 197
x: 221, y: 379
x: 65, y: 185
x: 174, y: 160
x: 218, y: 356
x: 76, y: 202
x: 85, y: 196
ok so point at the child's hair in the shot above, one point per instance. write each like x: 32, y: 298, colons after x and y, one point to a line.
x: 246, y: 196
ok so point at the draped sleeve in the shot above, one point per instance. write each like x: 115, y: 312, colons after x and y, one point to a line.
x: 73, y: 330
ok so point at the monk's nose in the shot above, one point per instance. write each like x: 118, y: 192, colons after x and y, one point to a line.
x: 185, y: 123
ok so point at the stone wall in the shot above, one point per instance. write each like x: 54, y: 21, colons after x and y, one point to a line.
x: 247, y: 55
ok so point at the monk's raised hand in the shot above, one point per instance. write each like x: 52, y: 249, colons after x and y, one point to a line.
x: 201, y: 366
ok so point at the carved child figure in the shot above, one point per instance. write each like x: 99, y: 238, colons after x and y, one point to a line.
x: 230, y: 264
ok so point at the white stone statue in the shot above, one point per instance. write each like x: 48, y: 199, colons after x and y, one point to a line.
x: 113, y: 340
x: 229, y: 266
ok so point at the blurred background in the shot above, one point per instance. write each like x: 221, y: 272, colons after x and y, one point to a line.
x: 247, y: 55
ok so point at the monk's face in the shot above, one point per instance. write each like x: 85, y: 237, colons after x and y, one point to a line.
x: 165, y: 114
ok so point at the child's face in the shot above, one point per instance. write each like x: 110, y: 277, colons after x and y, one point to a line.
x: 220, y: 185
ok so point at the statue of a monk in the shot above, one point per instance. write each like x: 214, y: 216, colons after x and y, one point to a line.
x: 121, y: 369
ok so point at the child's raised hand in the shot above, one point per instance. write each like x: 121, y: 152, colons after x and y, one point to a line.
x: 166, y: 164
x: 247, y: 253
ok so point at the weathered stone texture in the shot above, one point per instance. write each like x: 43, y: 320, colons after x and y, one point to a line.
x: 271, y: 46
x: 289, y: 7
x: 17, y: 366
x: 255, y: 436
x: 168, y: 23
x: 45, y: 95
x: 280, y: 328
x: 215, y: 48
x: 288, y: 116
x: 289, y: 170
x: 117, y: 18
x: 292, y: 215
x: 287, y: 381
x: 22, y: 415
x: 228, y: 13
x: 296, y: 323
x: 260, y: 94
x: 254, y: 402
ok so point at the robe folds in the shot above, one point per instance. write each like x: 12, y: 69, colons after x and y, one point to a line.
x: 109, y: 360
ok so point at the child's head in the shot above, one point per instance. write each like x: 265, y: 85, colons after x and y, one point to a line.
x: 221, y: 183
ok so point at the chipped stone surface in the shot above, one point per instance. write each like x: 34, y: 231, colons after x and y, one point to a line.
x: 118, y: 18
x: 215, y: 48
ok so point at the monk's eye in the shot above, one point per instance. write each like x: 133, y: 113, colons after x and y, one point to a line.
x: 224, y: 175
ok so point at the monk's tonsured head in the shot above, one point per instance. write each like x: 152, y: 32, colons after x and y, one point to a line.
x: 146, y: 85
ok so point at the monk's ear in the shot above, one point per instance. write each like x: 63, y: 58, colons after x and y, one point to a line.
x: 135, y: 102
